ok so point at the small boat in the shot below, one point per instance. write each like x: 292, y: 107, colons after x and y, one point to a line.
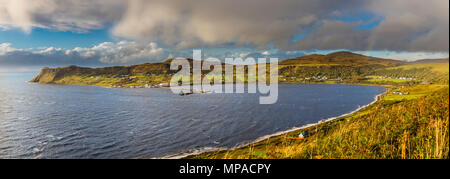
x: 185, y: 93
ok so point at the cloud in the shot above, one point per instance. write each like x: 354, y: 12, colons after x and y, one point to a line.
x: 107, y: 53
x: 266, y: 53
x: 412, y: 25
x: 61, y: 15
x: 186, y: 24
x: 405, y: 25
x: 281, y: 55
x: 121, y: 52
x: 335, y: 35
x: 128, y: 52
x: 416, y: 26
x: 6, y: 48
x: 413, y: 56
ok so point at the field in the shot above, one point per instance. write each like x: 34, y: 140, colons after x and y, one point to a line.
x: 382, y: 79
x: 435, y: 67
x: 412, y: 92
x: 433, y: 73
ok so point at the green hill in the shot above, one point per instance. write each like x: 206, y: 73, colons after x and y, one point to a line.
x: 339, y: 67
x: 341, y: 58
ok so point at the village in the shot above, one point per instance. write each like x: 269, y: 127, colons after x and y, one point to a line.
x: 313, y: 78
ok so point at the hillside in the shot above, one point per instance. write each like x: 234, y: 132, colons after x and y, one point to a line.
x: 339, y: 67
x: 410, y: 121
x: 428, y: 61
x: 108, y: 76
x: 415, y: 126
x: 341, y: 58
x: 426, y: 73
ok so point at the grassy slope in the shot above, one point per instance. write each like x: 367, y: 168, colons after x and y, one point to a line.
x: 436, y: 67
x: 340, y: 58
x: 412, y: 126
x: 123, y: 76
x: 426, y: 73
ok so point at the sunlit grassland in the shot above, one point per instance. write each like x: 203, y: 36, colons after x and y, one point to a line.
x: 382, y: 79
x: 412, y: 92
x: 331, y: 82
x: 435, y: 67
x: 433, y: 73
x: 392, y: 128
x: 106, y: 81
x: 388, y: 80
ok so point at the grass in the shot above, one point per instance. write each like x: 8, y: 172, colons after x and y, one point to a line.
x: 331, y: 82
x: 435, y: 67
x: 433, y: 73
x: 412, y: 92
x: 107, y: 81
x: 385, y: 79
x: 415, y: 128
x: 389, y: 80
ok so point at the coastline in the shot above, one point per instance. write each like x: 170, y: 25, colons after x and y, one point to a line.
x: 203, y: 150
x: 277, y: 134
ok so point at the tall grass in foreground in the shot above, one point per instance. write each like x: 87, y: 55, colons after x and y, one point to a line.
x: 411, y: 129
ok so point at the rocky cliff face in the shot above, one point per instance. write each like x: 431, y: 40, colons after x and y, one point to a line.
x: 50, y: 75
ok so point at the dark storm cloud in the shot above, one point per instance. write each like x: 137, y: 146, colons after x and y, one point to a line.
x: 406, y: 25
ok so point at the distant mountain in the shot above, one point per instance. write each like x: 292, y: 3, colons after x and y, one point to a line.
x: 341, y: 58
x: 427, y: 61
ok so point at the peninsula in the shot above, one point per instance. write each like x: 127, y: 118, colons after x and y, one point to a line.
x: 339, y: 67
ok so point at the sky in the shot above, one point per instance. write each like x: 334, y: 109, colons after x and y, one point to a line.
x: 118, y: 32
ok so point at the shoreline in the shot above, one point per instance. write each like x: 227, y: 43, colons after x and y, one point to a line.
x: 315, y: 83
x: 194, y: 152
x: 203, y: 150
